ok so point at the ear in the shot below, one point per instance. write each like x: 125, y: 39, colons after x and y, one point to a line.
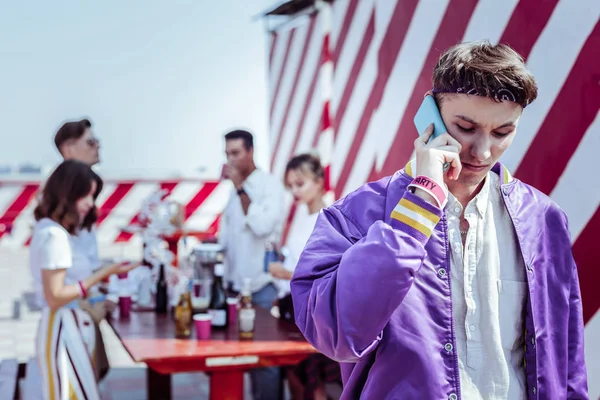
x: 321, y: 181
x: 65, y: 151
x: 428, y: 93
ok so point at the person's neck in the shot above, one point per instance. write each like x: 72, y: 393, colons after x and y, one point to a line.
x: 315, y: 205
x: 249, y: 171
x: 464, y: 193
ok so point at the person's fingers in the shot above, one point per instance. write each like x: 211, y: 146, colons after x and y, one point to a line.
x: 422, y: 140
x: 455, y: 165
x: 443, y: 140
x: 449, y: 148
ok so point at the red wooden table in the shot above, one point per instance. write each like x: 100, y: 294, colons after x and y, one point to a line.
x: 150, y: 338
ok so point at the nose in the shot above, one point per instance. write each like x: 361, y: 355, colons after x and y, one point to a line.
x: 481, y: 148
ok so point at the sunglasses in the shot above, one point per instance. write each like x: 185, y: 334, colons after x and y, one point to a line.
x: 93, y: 142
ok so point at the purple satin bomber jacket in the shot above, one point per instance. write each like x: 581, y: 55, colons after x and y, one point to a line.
x: 371, y: 290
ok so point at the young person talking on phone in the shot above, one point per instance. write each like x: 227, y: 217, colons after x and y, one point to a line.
x: 452, y: 283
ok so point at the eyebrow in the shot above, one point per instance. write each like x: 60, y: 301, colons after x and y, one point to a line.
x: 469, y: 120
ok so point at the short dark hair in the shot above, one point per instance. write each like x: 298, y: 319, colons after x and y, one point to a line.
x: 488, y: 68
x: 69, y: 182
x: 305, y: 161
x: 71, y: 130
x: 241, y: 134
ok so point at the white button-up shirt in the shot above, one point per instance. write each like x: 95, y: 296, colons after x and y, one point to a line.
x: 243, y: 236
x: 488, y: 296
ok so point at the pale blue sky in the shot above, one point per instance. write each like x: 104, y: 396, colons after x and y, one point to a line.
x: 162, y: 80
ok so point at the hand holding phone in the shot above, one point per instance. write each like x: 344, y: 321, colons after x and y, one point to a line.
x: 437, y: 151
x: 429, y: 114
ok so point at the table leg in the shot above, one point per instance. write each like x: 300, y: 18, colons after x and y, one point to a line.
x: 227, y: 385
x: 159, y: 385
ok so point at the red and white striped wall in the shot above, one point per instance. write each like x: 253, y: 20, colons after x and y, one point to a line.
x: 382, y: 56
x: 119, y: 205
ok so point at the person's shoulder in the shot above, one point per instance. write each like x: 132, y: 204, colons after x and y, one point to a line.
x: 268, y: 179
x: 366, y: 204
x: 542, y: 211
x: 47, y: 226
x: 48, y: 231
x: 539, y: 200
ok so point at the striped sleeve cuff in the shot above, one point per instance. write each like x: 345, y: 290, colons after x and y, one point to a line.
x: 415, y: 216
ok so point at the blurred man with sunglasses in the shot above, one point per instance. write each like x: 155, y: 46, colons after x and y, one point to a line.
x: 75, y: 140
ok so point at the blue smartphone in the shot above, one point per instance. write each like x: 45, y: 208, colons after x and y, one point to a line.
x: 427, y: 114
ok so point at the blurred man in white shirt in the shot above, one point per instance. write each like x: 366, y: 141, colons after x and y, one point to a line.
x: 254, y: 215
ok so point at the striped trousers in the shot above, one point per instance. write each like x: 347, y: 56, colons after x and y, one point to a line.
x: 65, y: 352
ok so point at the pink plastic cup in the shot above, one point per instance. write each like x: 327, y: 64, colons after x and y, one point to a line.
x: 203, y: 326
x: 124, y: 306
x: 232, y: 303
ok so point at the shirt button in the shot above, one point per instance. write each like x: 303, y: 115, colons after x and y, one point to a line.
x: 442, y: 272
x: 453, y: 397
x: 533, y: 390
x: 448, y: 347
x: 532, y: 340
x: 456, y: 209
x: 456, y: 250
x: 472, y: 328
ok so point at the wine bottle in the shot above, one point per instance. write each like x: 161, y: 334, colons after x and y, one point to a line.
x: 161, y: 292
x: 218, y: 307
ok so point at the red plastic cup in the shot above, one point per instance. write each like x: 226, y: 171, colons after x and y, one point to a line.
x: 124, y: 306
x: 203, y: 326
x: 232, y: 303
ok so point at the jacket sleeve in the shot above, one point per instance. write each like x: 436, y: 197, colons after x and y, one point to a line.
x: 577, y: 386
x: 347, y: 284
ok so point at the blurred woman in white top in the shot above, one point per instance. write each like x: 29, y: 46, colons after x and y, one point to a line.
x: 304, y: 178
x: 66, y: 335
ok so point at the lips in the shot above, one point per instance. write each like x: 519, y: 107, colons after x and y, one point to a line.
x: 473, y: 167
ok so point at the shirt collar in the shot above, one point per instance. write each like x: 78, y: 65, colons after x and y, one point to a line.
x: 481, y: 200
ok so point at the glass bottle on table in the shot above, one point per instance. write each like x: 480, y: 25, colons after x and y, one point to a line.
x: 218, y: 307
x: 247, y: 313
x: 246, y: 294
x: 161, y: 292
x: 183, y: 316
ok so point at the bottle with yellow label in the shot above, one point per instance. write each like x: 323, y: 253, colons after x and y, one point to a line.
x: 183, y: 316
